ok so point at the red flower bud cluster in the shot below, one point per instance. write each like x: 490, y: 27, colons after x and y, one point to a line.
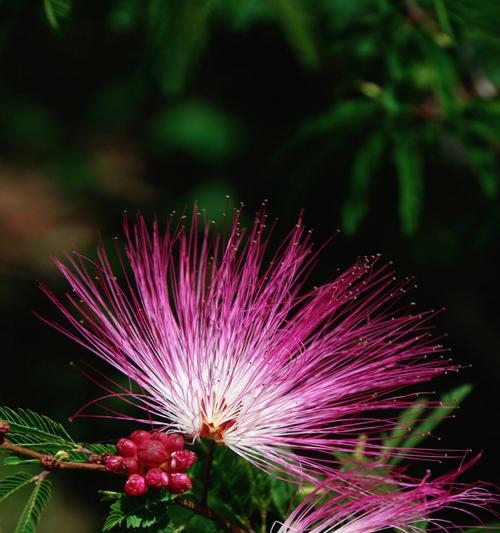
x: 4, y: 429
x: 156, y: 460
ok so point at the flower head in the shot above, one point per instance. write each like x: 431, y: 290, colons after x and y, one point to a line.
x: 224, y: 343
x: 407, y: 507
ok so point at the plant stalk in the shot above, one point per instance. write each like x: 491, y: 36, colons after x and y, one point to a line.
x: 208, y: 470
x: 58, y: 465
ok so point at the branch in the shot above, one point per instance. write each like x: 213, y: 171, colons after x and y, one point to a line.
x: 208, y: 469
x: 49, y: 462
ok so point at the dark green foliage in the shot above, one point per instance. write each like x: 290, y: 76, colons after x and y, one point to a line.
x: 405, y: 79
x: 178, y: 32
x: 147, y: 513
x: 238, y: 491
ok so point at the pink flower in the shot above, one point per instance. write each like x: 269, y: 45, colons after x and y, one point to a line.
x: 224, y: 343
x: 403, y: 508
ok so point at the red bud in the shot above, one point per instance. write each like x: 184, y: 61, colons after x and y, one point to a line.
x: 113, y: 463
x: 172, y: 441
x: 130, y: 465
x: 126, y: 447
x: 179, y: 483
x: 151, y: 453
x: 139, y: 436
x: 182, y: 460
x: 136, y: 485
x: 157, y: 478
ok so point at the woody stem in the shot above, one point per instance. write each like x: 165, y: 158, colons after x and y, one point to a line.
x: 208, y: 470
x: 59, y: 465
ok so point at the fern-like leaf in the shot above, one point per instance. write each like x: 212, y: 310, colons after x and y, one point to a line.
x: 30, y: 517
x: 115, y: 517
x: 11, y: 484
x: 30, y: 429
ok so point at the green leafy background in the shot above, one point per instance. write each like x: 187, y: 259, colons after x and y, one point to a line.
x: 378, y: 117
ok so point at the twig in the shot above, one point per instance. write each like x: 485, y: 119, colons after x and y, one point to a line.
x: 44, y: 459
x: 208, y: 469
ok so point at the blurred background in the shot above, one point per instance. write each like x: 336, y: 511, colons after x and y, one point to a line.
x: 378, y: 117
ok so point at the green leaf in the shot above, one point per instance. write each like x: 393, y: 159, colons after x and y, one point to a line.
x: 56, y: 10
x: 197, y: 128
x: 295, y: 16
x: 146, y: 513
x: 115, y: 517
x: 443, y: 18
x: 30, y: 517
x: 11, y: 484
x: 421, y: 527
x: 449, y: 402
x: 14, y: 460
x: 134, y: 521
x: 40, y: 433
x: 346, y: 113
x: 368, y: 158
x: 406, y: 422
x: 282, y: 495
x: 124, y: 15
x: 33, y: 430
x: 179, y: 29
x: 407, y: 161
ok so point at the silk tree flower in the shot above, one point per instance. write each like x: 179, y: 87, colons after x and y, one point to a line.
x: 409, y: 509
x: 224, y: 342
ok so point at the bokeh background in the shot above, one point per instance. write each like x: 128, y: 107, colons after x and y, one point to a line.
x: 378, y: 117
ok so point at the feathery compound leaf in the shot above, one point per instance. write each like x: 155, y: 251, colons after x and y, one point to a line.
x: 11, y: 484
x: 34, y: 430
x: 115, y: 517
x: 56, y: 10
x: 32, y: 512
